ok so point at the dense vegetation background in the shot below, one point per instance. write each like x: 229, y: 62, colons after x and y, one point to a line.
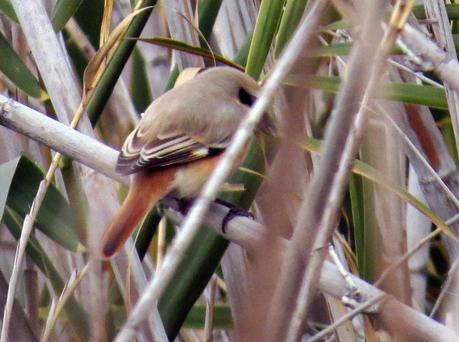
x: 374, y: 81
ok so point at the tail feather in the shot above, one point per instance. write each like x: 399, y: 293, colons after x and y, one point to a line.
x: 146, y: 189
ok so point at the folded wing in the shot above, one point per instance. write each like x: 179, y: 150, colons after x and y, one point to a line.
x: 164, y: 150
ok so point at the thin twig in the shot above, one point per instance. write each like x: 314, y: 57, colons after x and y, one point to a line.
x: 447, y: 191
x: 436, y: 9
x: 56, y: 309
x: 210, y: 312
x: 445, y: 288
x: 445, y: 67
x: 351, y: 314
x: 407, y: 255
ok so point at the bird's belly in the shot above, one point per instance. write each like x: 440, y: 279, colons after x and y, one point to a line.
x: 190, y: 179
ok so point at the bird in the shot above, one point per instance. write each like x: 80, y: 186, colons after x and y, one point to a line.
x: 178, y: 142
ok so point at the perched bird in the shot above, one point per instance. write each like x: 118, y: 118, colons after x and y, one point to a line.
x: 178, y: 142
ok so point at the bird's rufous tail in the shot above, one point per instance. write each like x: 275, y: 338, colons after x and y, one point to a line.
x: 146, y: 189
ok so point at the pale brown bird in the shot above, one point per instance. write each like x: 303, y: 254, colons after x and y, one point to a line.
x: 178, y: 142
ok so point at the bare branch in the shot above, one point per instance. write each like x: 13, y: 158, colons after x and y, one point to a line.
x: 59, y: 137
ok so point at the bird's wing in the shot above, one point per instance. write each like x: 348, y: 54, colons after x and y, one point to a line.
x: 166, y: 149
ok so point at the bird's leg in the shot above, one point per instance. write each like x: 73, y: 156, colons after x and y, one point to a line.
x: 183, y: 205
x: 234, y: 211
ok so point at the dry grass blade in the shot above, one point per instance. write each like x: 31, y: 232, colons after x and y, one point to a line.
x: 58, y: 305
x: 106, y: 20
x: 97, y: 64
x: 179, y: 18
x: 359, y: 309
x: 210, y: 307
x: 25, y: 233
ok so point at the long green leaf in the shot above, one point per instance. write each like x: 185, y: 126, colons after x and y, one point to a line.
x: 263, y: 35
x: 332, y: 50
x: 208, y: 11
x: 357, y: 210
x: 451, y: 9
x: 89, y: 18
x: 55, y: 217
x: 7, y: 171
x: 12, y: 67
x: 405, y: 92
x: 190, y: 279
x: 292, y: 15
x: 222, y: 317
x: 116, y: 64
x: 75, y: 312
x: 181, y: 46
x: 415, y: 94
x: 63, y: 11
x: 8, y: 10
x: 140, y: 85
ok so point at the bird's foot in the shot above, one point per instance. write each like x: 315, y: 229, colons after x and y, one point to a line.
x: 233, y: 212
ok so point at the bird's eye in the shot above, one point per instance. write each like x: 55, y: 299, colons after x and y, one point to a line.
x: 245, y: 97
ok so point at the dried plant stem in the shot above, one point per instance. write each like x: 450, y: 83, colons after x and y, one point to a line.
x: 190, y: 227
x: 436, y: 10
x: 210, y: 312
x: 425, y: 49
x: 66, y: 293
x: 420, y: 158
x: 407, y: 255
x: 320, y: 206
x: 26, y: 230
x: 343, y: 319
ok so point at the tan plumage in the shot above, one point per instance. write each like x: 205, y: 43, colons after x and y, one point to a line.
x: 178, y: 142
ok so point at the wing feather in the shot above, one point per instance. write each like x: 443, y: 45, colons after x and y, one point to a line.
x: 169, y: 150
